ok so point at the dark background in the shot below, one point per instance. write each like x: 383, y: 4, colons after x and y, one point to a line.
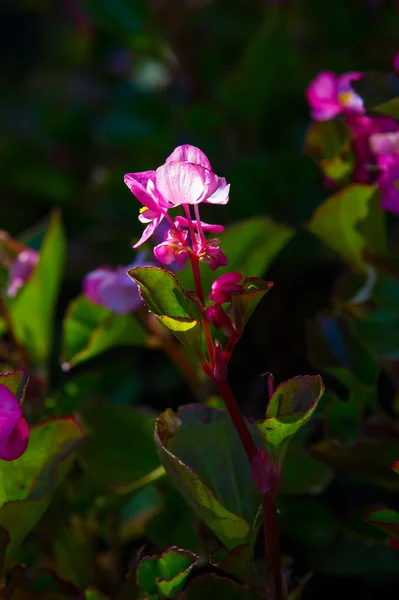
x: 91, y: 90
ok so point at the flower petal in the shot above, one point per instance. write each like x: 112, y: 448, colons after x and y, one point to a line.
x: 221, y: 194
x: 10, y: 412
x: 120, y: 294
x: 148, y: 231
x: 205, y: 226
x: 21, y: 270
x: 16, y: 443
x: 322, y: 96
x: 182, y: 182
x: 137, y: 184
x: 188, y: 153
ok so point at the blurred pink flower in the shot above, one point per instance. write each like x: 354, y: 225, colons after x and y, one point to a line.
x: 329, y: 94
x: 14, y: 430
x: 113, y: 288
x: 21, y: 270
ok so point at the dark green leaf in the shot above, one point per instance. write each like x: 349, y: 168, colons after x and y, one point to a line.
x: 336, y: 223
x: 26, y: 485
x: 16, y: 382
x: 379, y: 93
x: 237, y: 562
x: 214, y: 478
x: 120, y: 448
x: 387, y: 520
x: 329, y: 144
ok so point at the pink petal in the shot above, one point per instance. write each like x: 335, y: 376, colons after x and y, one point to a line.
x: 16, y: 443
x: 92, y: 282
x: 21, y: 270
x: 221, y: 193
x: 10, y: 412
x: 121, y: 294
x: 205, y: 226
x: 149, y: 230
x: 182, y: 182
x: 322, y: 96
x: 385, y: 143
x: 137, y: 184
x: 187, y: 153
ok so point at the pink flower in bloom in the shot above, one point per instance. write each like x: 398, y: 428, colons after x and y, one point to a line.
x: 173, y: 248
x: 113, y: 288
x: 21, y: 270
x: 186, y: 179
x: 386, y: 148
x: 14, y: 431
x: 224, y: 286
x: 329, y: 94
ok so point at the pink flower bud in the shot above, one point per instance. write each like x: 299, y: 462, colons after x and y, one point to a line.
x: 14, y: 431
x: 213, y: 256
x: 224, y: 286
x: 219, y: 371
x: 218, y: 318
x: 173, y: 248
x: 21, y: 270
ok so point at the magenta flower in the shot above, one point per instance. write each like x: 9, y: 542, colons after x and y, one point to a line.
x: 21, y: 270
x: 388, y: 182
x: 224, y: 286
x: 186, y: 179
x: 113, y: 288
x: 219, y: 319
x: 395, y: 62
x: 174, y: 247
x: 329, y: 94
x: 14, y: 430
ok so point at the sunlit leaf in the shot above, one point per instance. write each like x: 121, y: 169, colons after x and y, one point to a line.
x: 166, y: 573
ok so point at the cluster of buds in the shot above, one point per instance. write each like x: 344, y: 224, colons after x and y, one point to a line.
x: 374, y: 137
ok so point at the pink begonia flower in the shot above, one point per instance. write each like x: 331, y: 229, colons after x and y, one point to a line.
x: 21, y: 270
x: 329, y: 94
x: 173, y: 248
x: 185, y: 179
x: 14, y: 430
x: 395, y: 62
x: 388, y: 182
x: 224, y: 286
x: 113, y: 288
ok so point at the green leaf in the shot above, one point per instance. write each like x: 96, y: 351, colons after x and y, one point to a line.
x: 344, y: 419
x: 289, y: 409
x: 166, y: 573
x: 329, y: 144
x: 367, y: 460
x: 165, y: 297
x: 336, y: 223
x: 32, y: 309
x: 380, y: 330
x: 243, y: 305
x: 16, y: 382
x: 26, y: 485
x: 335, y: 347
x: 213, y: 477
x: 387, y: 520
x: 303, y: 473
x: 237, y: 562
x: 251, y: 247
x: 213, y: 587
x: 90, y: 329
x: 379, y: 92
x: 120, y: 448
x: 92, y: 594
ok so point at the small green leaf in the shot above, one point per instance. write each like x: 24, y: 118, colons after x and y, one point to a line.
x: 289, y: 409
x: 92, y: 594
x: 387, y: 520
x: 329, y: 144
x: 165, y: 297
x: 90, y: 329
x: 16, y: 382
x: 237, y: 562
x: 166, y: 574
x: 120, y: 447
x: 26, y: 485
x: 214, y: 478
x: 336, y: 223
x: 212, y: 587
x: 243, y: 305
x: 32, y: 309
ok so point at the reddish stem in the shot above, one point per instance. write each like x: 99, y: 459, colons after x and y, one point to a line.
x: 272, y: 547
x: 238, y: 420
